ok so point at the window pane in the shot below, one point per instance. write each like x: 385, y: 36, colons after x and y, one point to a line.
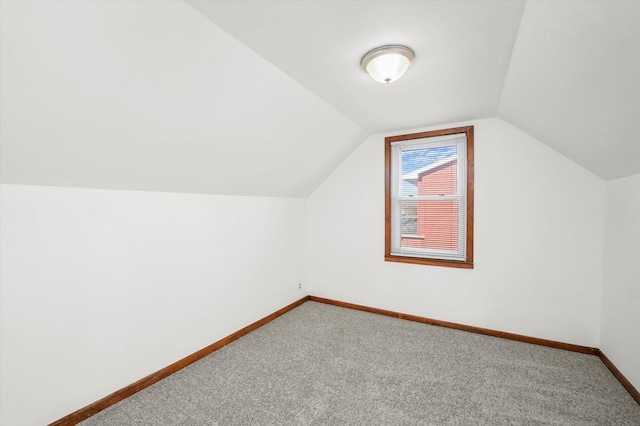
x: 409, y: 217
x: 431, y: 225
x: 429, y: 198
x: 429, y: 171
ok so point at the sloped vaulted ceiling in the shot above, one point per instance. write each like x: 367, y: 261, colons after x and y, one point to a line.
x: 574, y: 82
x: 267, y: 97
x: 567, y: 72
x: 462, y: 53
x: 151, y: 95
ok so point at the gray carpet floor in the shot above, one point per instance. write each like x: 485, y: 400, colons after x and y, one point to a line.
x: 324, y: 365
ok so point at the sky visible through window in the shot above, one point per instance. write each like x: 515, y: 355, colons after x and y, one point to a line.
x: 419, y: 158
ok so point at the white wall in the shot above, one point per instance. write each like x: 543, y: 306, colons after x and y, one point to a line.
x: 538, y: 242
x: 620, y: 332
x: 100, y: 288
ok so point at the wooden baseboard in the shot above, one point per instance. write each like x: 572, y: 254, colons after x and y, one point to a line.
x: 488, y: 332
x: 618, y: 375
x: 91, y: 409
x: 520, y: 338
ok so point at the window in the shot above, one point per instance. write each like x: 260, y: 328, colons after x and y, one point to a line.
x: 429, y: 198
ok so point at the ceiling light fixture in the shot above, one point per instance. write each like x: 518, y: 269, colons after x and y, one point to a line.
x: 387, y: 63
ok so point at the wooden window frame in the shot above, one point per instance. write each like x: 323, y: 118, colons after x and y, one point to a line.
x: 468, y: 262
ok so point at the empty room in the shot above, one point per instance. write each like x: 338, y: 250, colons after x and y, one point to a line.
x: 319, y: 212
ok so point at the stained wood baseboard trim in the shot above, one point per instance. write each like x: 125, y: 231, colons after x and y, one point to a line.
x: 618, y: 375
x: 520, y: 338
x: 91, y: 409
x: 486, y: 331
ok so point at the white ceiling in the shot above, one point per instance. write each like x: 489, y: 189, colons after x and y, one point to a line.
x: 151, y: 95
x: 267, y: 97
x: 462, y: 53
x: 574, y: 82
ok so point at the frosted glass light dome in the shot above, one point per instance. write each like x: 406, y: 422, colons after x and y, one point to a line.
x: 387, y: 63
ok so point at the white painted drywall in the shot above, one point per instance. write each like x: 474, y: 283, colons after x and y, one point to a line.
x: 538, y: 242
x: 620, y: 332
x: 102, y: 287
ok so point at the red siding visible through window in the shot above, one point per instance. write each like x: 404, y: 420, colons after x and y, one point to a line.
x: 437, y: 231
x: 437, y: 221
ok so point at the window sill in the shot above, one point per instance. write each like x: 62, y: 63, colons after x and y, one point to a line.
x: 432, y: 262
